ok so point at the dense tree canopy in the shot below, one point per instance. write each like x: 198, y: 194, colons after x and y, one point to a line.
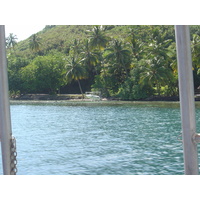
x: 125, y: 62
x: 44, y: 74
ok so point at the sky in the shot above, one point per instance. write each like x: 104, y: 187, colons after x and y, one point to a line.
x: 22, y: 31
x: 22, y: 15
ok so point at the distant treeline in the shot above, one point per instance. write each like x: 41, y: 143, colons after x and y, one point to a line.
x: 125, y: 62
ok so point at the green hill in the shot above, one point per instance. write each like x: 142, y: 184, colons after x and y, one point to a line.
x: 126, y: 62
x: 60, y: 37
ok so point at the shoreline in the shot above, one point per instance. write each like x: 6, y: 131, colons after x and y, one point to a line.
x: 72, y: 97
x: 76, y: 100
x: 142, y: 104
x: 170, y: 104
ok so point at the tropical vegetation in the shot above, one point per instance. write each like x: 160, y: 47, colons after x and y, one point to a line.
x: 124, y: 62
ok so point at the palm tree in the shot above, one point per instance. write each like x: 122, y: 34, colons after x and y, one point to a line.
x: 135, y: 43
x: 119, y: 57
x: 75, y: 47
x: 155, y: 73
x: 75, y: 71
x: 11, y: 41
x: 89, y: 58
x: 98, y: 39
x: 34, y: 43
x: 157, y: 67
x: 196, y: 50
x: 195, y: 47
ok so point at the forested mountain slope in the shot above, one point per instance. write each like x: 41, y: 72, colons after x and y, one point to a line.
x: 126, y: 62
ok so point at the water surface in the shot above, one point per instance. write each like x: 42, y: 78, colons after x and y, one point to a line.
x: 98, y: 138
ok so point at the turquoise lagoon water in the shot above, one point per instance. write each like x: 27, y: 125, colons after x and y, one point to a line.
x: 62, y: 138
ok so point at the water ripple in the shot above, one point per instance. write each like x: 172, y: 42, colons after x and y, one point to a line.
x: 125, y: 139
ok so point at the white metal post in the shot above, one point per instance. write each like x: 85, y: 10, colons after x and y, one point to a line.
x: 5, y: 121
x: 187, y: 104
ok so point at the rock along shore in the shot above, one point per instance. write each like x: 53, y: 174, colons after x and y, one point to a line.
x: 79, y: 97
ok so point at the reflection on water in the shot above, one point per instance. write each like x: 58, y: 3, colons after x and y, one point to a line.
x: 98, y: 138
